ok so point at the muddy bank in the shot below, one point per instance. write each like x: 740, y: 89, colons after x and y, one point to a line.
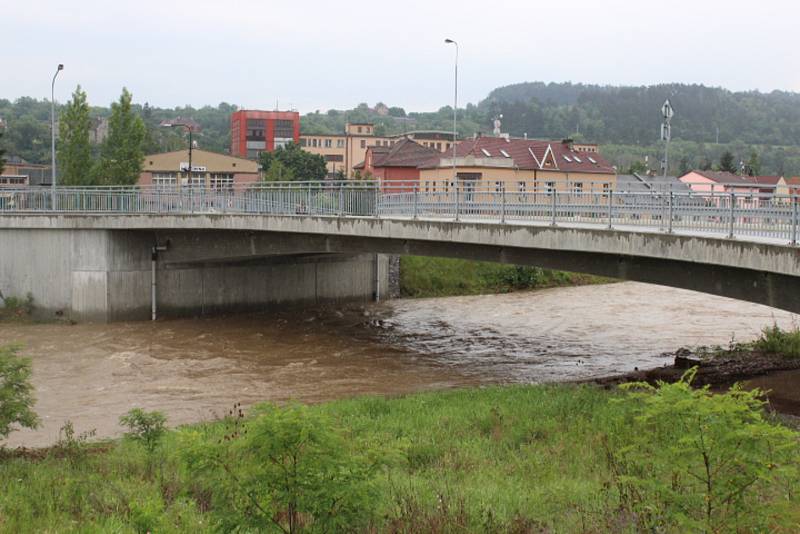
x: 776, y: 375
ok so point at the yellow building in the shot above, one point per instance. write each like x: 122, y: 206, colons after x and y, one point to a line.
x: 210, y: 170
x: 523, y: 165
x: 342, y: 152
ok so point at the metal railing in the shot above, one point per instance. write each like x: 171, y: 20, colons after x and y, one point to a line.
x: 723, y: 210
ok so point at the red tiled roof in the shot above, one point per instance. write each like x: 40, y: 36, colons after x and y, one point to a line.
x: 529, y: 154
x: 722, y: 177
x: 404, y: 153
x: 766, y: 180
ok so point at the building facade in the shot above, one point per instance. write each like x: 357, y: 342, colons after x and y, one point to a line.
x: 253, y: 131
x: 398, y: 165
x: 210, y: 170
x: 522, y: 165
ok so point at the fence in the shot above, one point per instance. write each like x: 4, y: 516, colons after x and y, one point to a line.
x: 759, y: 213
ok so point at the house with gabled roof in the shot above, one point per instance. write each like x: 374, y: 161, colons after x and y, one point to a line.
x: 520, y: 164
x: 399, y: 163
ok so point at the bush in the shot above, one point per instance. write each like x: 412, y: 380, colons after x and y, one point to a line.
x: 15, y: 306
x: 285, y: 469
x: 146, y: 428
x: 701, y: 461
x: 778, y: 341
x: 16, y: 392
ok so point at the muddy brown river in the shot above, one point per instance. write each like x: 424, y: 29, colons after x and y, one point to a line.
x: 194, y: 369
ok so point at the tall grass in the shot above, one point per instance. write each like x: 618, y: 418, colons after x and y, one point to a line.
x: 440, y: 277
x: 775, y: 340
x: 510, y: 459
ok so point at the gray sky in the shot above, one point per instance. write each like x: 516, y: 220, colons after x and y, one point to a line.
x: 314, y: 54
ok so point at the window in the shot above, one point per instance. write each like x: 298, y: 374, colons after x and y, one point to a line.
x: 359, y: 129
x: 486, y: 153
x: 165, y: 179
x: 577, y: 188
x: 521, y: 186
x: 363, y: 141
x: 606, y: 189
x: 221, y: 181
x: 439, y: 146
x: 504, y: 153
x: 284, y: 128
x: 498, y: 187
x: 255, y: 129
x: 334, y: 157
x: 340, y: 143
x: 328, y: 143
x: 593, y: 160
x: 567, y: 158
x: 549, y: 187
x: 576, y: 158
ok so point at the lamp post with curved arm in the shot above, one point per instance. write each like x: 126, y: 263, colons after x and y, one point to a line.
x: 53, y: 133
x: 455, y: 119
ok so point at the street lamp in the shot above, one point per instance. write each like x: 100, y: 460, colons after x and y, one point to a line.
x: 455, y: 112
x: 53, y: 132
x: 191, y: 126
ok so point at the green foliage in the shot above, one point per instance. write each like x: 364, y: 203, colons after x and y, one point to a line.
x: 698, y: 461
x: 122, y: 153
x: 16, y: 392
x: 428, y: 277
x: 71, y: 446
x: 775, y: 340
x: 288, y: 469
x: 753, y: 165
x: 2, y: 154
x: 294, y: 164
x: 144, y: 427
x: 15, y: 307
x: 726, y: 163
x: 638, y: 167
x: 74, y: 149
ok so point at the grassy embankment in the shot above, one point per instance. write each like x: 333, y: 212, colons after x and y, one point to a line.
x: 442, y: 277
x: 501, y: 459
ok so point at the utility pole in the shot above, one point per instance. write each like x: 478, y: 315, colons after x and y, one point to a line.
x: 666, y: 132
x: 53, y: 133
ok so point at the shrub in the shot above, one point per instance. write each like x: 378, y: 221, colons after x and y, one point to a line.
x: 72, y: 446
x: 701, y: 461
x: 15, y: 306
x: 16, y: 392
x: 146, y: 428
x: 778, y: 341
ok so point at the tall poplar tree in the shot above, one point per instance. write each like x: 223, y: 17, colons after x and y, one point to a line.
x: 74, y: 149
x: 2, y: 154
x: 122, y: 154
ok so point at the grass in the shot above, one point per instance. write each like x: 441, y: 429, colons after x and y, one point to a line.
x: 441, y: 277
x: 499, y: 459
x: 775, y: 340
x: 15, y: 308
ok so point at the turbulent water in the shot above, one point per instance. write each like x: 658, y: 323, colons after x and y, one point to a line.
x: 194, y: 369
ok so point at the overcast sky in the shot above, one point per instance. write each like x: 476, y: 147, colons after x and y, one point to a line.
x: 315, y: 54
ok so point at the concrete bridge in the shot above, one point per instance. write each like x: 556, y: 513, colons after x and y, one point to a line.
x: 103, y: 264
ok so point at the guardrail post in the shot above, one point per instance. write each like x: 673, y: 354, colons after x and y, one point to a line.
x: 669, y: 224
x: 416, y: 200
x: 794, y: 219
x: 731, y: 215
x: 553, y: 206
x: 341, y: 199
x: 455, y: 185
x: 503, y: 203
x: 610, y: 207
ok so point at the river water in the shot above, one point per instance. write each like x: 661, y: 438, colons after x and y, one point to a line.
x: 195, y: 369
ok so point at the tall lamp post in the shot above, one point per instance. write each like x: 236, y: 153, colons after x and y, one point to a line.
x: 455, y: 123
x: 53, y: 133
x: 191, y: 126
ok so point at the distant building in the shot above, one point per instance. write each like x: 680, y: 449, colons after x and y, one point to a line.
x: 399, y: 163
x: 523, y: 165
x: 253, y: 131
x: 757, y: 189
x: 209, y: 170
x: 18, y: 172
x: 342, y: 152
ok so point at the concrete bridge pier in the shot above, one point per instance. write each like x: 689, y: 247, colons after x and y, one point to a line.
x: 106, y: 275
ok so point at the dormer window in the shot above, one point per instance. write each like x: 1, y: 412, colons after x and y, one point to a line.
x: 567, y: 158
x: 486, y: 153
x: 504, y: 153
x: 577, y: 159
x: 593, y: 160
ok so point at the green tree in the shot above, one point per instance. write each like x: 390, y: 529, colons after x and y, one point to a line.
x: 122, y: 154
x: 278, y: 172
x: 16, y: 392
x: 2, y: 154
x: 753, y: 165
x: 74, y: 149
x: 301, y: 165
x: 638, y: 167
x: 684, y: 167
x: 726, y: 163
x: 145, y: 427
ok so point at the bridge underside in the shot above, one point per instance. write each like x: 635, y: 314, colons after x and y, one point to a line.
x: 771, y: 289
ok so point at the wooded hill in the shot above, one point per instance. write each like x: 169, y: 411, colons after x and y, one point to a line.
x: 624, y: 120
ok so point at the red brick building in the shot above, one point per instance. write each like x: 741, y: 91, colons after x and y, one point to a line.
x: 399, y: 163
x: 253, y: 131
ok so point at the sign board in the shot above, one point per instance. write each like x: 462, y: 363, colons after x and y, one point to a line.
x: 666, y: 132
x: 184, y: 166
x: 667, y: 111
